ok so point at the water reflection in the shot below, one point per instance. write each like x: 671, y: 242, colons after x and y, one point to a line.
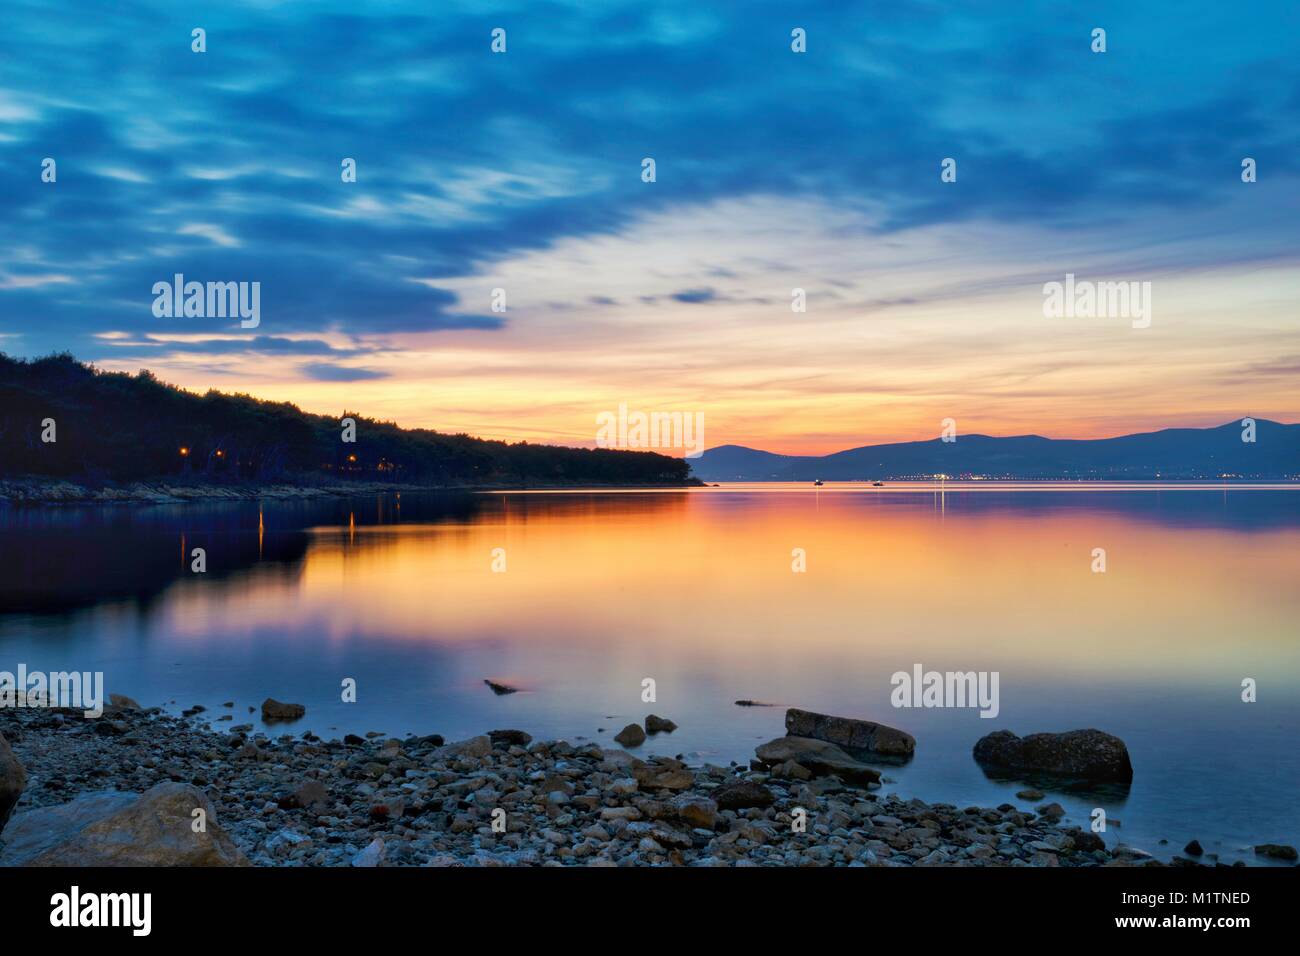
x: 695, y: 590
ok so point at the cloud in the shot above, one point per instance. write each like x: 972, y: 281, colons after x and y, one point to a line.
x: 340, y: 373
x: 775, y: 171
x: 695, y: 296
x: 232, y: 148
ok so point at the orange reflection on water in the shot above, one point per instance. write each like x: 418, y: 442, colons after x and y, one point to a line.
x: 704, y: 580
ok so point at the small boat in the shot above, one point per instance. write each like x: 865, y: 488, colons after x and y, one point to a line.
x: 819, y: 482
x: 877, y: 484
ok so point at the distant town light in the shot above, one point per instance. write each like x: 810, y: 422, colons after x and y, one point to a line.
x: 184, y: 451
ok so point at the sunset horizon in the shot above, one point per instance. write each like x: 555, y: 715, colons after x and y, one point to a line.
x: 612, y: 437
x: 821, y: 257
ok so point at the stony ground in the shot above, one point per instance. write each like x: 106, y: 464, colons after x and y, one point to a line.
x: 303, y: 801
x: 38, y: 491
x: 56, y: 491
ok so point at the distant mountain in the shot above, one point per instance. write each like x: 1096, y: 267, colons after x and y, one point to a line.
x: 1171, y: 453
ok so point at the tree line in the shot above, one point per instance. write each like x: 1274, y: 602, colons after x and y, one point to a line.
x: 114, y: 426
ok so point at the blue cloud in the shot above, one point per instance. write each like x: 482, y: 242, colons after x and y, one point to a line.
x: 225, y: 165
x: 695, y: 296
x: 339, y: 373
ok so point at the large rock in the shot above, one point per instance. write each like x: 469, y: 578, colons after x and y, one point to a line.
x: 1090, y: 754
x: 631, y: 736
x: 13, y: 779
x: 850, y: 733
x: 655, y: 724
x: 479, y: 746
x: 273, y: 709
x: 662, y: 773
x: 695, y: 810
x: 819, y: 756
x: 109, y: 828
x: 1277, y: 851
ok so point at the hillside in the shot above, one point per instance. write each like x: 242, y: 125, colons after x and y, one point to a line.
x: 115, y: 427
x: 1177, y: 453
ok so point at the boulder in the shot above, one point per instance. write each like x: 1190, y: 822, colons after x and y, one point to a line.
x: 1090, y: 754
x: 617, y: 761
x: 663, y: 773
x: 741, y: 795
x: 372, y: 855
x: 1276, y: 851
x: 631, y: 736
x: 792, y: 770
x: 479, y: 746
x: 13, y: 780
x: 656, y: 725
x: 849, y: 733
x: 273, y: 709
x: 819, y: 756
x: 695, y: 810
x: 155, y: 828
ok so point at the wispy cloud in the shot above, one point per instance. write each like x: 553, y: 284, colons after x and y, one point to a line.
x: 775, y: 170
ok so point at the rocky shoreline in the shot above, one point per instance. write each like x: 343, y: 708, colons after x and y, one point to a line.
x: 500, y: 799
x: 33, y: 491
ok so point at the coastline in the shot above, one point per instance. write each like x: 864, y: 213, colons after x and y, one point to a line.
x: 298, y: 800
x: 54, y: 491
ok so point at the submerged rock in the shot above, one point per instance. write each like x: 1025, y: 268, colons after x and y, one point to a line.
x: 656, y: 725
x: 849, y: 732
x: 1276, y: 851
x: 631, y: 736
x: 13, y: 780
x: 155, y: 828
x: 1090, y: 754
x: 818, y: 756
x: 273, y: 709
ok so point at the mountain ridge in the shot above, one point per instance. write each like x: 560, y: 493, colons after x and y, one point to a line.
x: 1172, y: 453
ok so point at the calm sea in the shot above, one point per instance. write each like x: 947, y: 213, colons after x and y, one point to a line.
x: 695, y: 591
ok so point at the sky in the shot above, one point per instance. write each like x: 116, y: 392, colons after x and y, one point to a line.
x: 774, y: 171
